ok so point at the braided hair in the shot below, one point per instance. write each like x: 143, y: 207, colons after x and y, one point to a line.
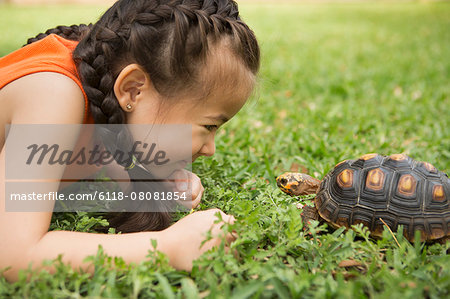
x: 170, y: 40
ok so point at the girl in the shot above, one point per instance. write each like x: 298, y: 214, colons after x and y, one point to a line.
x: 144, y: 62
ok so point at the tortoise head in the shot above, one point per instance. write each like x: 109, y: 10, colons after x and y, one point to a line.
x: 296, y: 184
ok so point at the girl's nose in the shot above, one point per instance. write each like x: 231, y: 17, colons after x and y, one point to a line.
x: 209, y: 148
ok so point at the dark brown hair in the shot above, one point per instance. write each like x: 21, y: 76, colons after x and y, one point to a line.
x: 171, y: 41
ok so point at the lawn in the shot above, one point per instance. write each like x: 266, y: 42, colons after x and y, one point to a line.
x: 337, y: 81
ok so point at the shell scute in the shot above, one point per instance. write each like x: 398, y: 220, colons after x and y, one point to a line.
x: 326, y: 213
x: 369, y: 160
x: 374, y: 192
x: 398, y: 162
x: 438, y: 193
x: 375, y: 180
x: 436, y: 201
x: 342, y: 221
x: 366, y: 223
x: 405, y: 198
x: 342, y: 184
x: 429, y: 167
x: 426, y: 169
x: 437, y: 232
x: 407, y: 186
x: 345, y: 178
x: 362, y: 215
x: 398, y: 157
x: 368, y: 156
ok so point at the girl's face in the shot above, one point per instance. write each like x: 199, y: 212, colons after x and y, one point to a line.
x: 204, y: 113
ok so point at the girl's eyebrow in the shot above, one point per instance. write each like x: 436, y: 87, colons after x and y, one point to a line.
x: 220, y: 117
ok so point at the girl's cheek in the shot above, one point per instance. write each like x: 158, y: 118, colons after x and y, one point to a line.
x: 199, y: 139
x: 196, y: 145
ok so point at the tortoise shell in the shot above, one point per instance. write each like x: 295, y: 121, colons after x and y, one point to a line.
x: 396, y: 189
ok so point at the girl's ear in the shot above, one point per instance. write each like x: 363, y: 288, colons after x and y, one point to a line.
x: 130, y: 84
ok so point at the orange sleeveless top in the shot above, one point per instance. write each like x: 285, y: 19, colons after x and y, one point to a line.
x: 50, y: 54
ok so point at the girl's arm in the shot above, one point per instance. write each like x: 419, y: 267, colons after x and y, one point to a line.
x: 24, y: 238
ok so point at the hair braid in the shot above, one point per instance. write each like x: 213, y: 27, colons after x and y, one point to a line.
x: 74, y: 32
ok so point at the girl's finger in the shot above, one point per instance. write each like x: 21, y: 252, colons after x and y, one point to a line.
x: 181, y: 180
x: 230, y: 219
x: 197, y: 200
x: 230, y: 238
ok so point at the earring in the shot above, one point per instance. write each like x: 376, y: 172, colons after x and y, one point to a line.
x: 129, y: 107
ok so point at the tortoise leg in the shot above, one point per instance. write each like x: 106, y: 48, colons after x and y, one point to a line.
x: 308, y: 214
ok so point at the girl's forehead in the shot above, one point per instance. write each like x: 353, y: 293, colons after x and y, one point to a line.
x: 222, y: 96
x: 224, y: 73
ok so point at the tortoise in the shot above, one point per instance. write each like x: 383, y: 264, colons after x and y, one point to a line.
x: 378, y: 190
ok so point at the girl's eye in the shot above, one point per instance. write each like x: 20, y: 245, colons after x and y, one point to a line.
x: 210, y: 127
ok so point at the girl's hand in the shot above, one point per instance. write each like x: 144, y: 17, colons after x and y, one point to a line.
x: 186, y: 181
x: 183, y: 240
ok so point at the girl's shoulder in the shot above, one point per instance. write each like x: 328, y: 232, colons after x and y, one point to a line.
x: 44, y: 97
x: 41, y: 98
x: 46, y: 65
x: 52, y: 53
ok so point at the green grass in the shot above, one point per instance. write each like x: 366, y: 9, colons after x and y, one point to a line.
x: 337, y: 81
